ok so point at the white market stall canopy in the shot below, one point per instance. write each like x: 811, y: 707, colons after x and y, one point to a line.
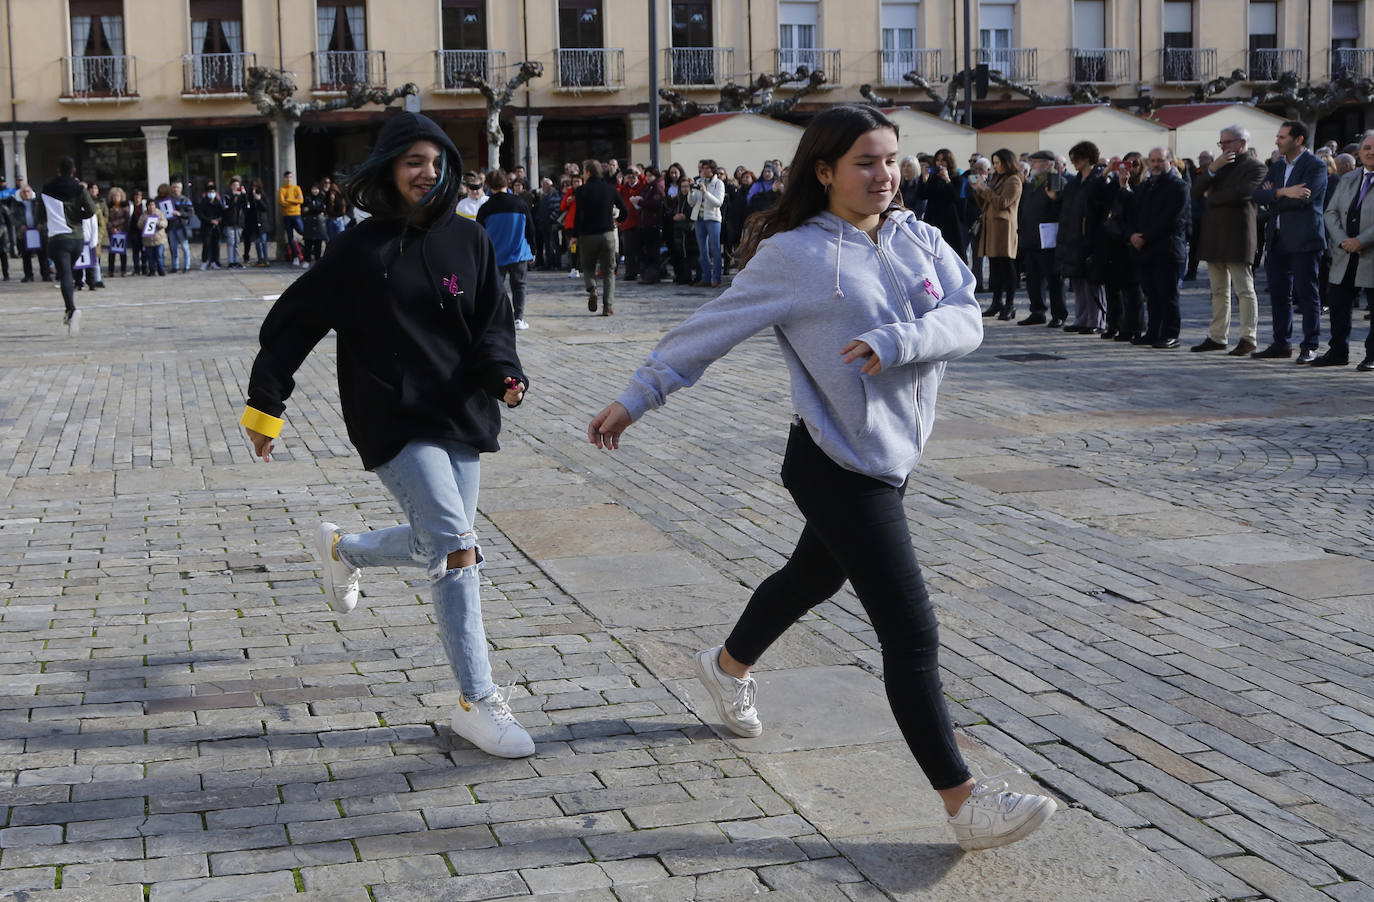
x: 1057, y: 128
x: 1195, y: 127
x: 731, y: 139
x: 919, y: 132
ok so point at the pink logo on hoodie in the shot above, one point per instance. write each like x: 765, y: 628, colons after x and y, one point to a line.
x: 451, y: 283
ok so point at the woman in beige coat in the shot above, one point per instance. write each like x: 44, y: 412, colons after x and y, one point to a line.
x: 1000, y: 197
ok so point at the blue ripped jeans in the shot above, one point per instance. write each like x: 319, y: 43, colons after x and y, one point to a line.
x: 436, y: 485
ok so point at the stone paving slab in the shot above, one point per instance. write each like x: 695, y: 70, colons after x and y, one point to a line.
x: 182, y: 717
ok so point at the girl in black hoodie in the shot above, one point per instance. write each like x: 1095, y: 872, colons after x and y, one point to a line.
x: 426, y: 350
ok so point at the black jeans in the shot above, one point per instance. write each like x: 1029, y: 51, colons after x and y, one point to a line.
x: 1159, y: 283
x: 856, y: 529
x: 1342, y: 299
x: 1041, y: 279
x: 514, y: 273
x: 64, y: 253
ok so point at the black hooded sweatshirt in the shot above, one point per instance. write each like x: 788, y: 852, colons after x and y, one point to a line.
x: 426, y: 338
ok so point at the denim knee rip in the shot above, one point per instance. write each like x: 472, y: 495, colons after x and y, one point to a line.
x: 438, y: 565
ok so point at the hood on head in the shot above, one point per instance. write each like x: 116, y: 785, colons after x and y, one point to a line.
x: 404, y: 128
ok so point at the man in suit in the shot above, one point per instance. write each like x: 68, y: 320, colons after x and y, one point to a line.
x: 1160, y: 238
x: 1295, y: 191
x: 1350, y: 226
x: 1227, y: 242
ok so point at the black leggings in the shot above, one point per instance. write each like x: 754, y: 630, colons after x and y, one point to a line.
x: 856, y: 529
x: 1002, y: 278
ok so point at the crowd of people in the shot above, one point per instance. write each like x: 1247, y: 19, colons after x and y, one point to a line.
x: 1119, y: 235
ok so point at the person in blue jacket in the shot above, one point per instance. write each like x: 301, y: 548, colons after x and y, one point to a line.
x: 508, y: 221
x: 869, y: 305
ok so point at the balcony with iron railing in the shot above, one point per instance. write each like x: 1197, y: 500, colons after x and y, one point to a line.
x: 699, y: 67
x: 334, y: 70
x: 1358, y: 61
x: 1267, y: 64
x: 811, y: 59
x: 1187, y: 65
x: 893, y: 65
x: 449, y: 64
x: 209, y: 75
x: 579, y: 69
x: 1100, y: 65
x: 1015, y: 64
x: 98, y: 79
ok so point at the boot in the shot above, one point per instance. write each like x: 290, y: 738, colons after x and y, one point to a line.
x: 1008, y: 308
x: 995, y: 307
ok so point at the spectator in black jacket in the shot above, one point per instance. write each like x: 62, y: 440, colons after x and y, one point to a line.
x: 1163, y: 213
x: 599, y: 208
x: 235, y: 215
x: 1040, y: 206
x: 1079, y: 255
x: 942, y: 188
x: 211, y: 211
x: 255, y: 221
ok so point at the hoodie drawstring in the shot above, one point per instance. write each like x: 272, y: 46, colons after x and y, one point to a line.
x: 839, y: 248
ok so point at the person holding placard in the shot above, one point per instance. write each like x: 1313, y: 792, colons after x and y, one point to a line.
x: 29, y: 230
x: 118, y: 226
x: 152, y: 228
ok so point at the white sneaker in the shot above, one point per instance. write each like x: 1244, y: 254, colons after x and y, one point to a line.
x: 521, y: 325
x: 734, y: 698
x: 214, y: 266
x: 74, y: 323
x: 342, y: 583
x: 490, y: 725
x: 204, y: 267
x: 296, y: 261
x: 995, y: 816
x: 574, y: 274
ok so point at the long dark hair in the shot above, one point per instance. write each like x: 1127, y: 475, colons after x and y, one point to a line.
x: 827, y: 138
x: 372, y: 187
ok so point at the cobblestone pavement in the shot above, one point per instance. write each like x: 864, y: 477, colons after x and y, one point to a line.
x: 1153, y: 571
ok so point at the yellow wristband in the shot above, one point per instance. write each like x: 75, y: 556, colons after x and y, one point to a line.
x: 258, y: 421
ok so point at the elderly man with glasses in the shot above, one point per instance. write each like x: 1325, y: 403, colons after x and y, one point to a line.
x: 1226, y: 242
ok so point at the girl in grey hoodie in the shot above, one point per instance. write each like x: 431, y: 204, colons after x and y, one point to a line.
x: 868, y: 305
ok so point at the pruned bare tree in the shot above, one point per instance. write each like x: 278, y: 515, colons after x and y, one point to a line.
x: 1218, y: 84
x: 949, y: 100
x: 272, y: 92
x: 1308, y: 102
x: 497, y: 100
x: 755, y: 97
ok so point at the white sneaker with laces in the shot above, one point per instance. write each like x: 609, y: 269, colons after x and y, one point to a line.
x: 204, y: 267
x: 490, y: 725
x: 995, y: 816
x: 574, y: 274
x: 342, y: 583
x: 734, y: 698
x: 521, y: 325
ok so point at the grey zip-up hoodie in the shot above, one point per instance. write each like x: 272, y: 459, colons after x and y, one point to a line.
x: 820, y: 285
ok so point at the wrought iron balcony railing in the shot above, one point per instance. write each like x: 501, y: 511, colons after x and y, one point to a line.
x: 486, y: 64
x: 893, y: 65
x: 1017, y: 64
x: 1100, y: 65
x: 1267, y: 64
x: 335, y: 70
x: 1358, y: 61
x: 826, y: 60
x: 215, y: 73
x: 1187, y: 65
x: 699, y: 67
x: 98, y: 78
x: 590, y: 69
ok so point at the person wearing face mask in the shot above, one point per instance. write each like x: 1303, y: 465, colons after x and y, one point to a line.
x: 426, y: 355
x: 869, y: 307
x: 235, y: 217
x: 474, y: 198
x: 211, y: 210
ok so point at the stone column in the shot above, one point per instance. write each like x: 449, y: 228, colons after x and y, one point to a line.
x: 16, y: 155
x: 638, y: 126
x: 159, y: 169
x: 527, y: 139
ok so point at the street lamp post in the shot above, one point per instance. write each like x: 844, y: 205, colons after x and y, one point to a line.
x: 653, y: 83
